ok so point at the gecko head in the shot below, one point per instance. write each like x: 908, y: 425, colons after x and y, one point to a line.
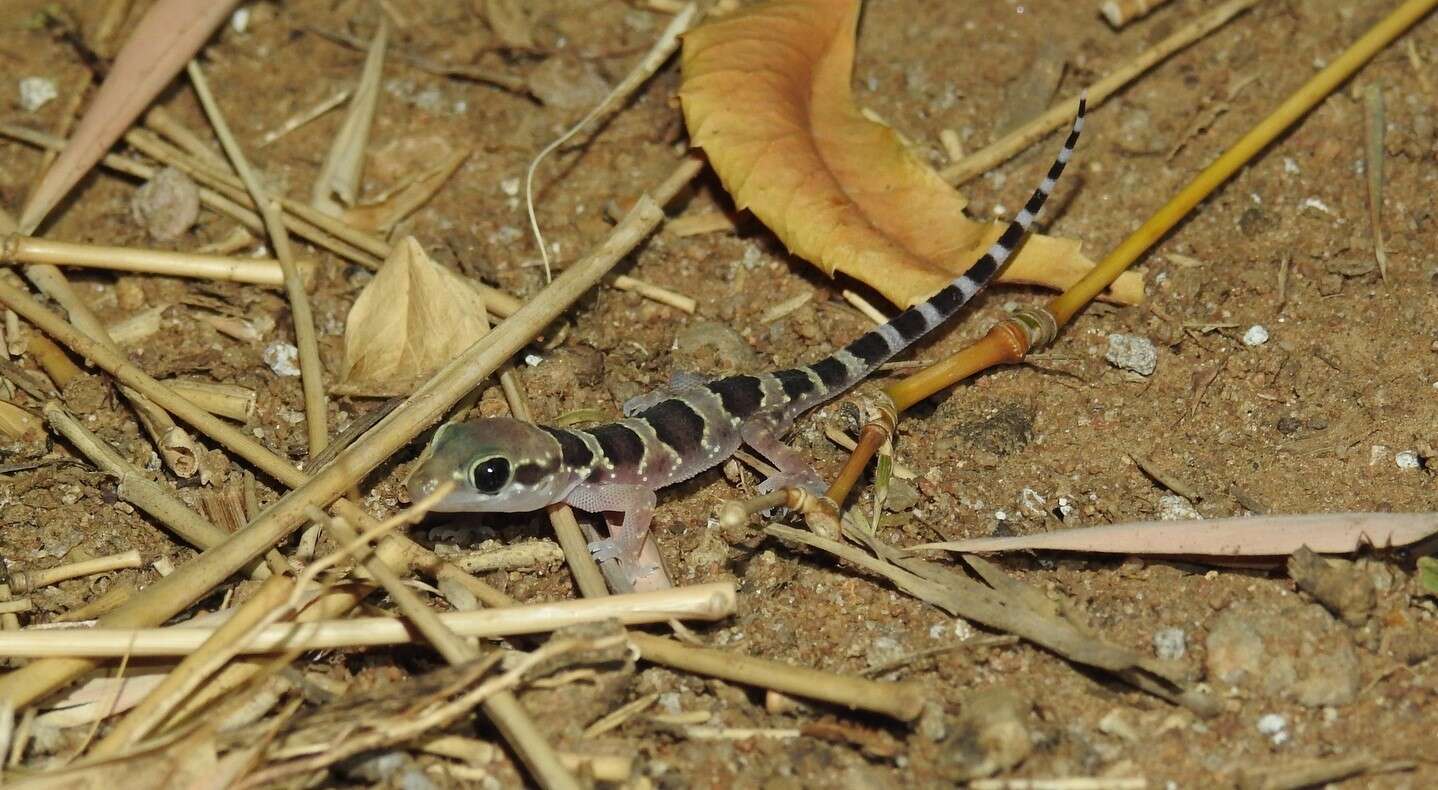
x: 497, y: 465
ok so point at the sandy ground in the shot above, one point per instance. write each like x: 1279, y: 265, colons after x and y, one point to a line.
x: 1334, y: 411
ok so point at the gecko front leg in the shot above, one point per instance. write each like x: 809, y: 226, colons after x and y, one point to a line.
x: 626, y: 541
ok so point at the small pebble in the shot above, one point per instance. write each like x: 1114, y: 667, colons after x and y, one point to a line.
x: 1256, y: 335
x: 509, y: 186
x: 883, y: 650
x: 283, y: 358
x: 1132, y: 352
x: 1170, y: 644
x: 36, y: 92
x: 1172, y: 507
x: 167, y: 205
x: 1407, y: 460
x: 1275, y: 727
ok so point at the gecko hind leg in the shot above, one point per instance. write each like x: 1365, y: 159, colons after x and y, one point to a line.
x: 794, y: 469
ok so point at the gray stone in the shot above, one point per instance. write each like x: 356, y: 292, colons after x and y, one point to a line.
x: 1297, y: 653
x: 1132, y: 352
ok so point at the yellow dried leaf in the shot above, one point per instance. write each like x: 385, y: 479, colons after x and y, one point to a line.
x: 411, y: 319
x: 766, y: 95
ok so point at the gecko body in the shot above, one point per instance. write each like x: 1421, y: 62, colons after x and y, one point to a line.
x: 505, y: 465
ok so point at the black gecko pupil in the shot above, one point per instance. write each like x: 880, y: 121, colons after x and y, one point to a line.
x: 490, y: 475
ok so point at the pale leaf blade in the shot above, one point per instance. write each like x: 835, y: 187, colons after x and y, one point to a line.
x: 167, y: 37
x: 1258, y: 536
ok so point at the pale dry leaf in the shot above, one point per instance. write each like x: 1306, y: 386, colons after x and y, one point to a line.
x: 382, y: 215
x: 411, y: 319
x: 344, y: 164
x: 169, y: 34
x: 766, y: 94
x: 1258, y: 536
x: 191, y: 761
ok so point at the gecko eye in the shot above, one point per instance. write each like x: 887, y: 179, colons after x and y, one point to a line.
x: 490, y: 475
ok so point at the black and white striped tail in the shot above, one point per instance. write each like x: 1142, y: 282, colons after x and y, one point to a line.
x: 857, y: 360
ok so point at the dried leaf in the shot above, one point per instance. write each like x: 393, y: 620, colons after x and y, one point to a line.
x: 344, y: 164
x: 766, y: 95
x: 412, y: 318
x: 1261, y: 536
x: 170, y: 33
x: 384, y: 214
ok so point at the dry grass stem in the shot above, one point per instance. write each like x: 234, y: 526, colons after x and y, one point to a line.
x: 781, y: 309
x: 477, y: 753
x: 700, y: 223
x: 864, y: 306
x: 160, y: 120
x: 503, y: 709
x: 265, y: 607
x: 1121, y: 12
x: 256, y: 271
x: 224, y: 195
x: 173, y: 593
x: 1007, y: 605
x: 618, y: 716
x: 62, y: 129
x: 1058, y: 116
x: 232, y: 201
x: 655, y: 293
x: 305, y: 116
x: 228, y: 197
x: 22, y: 582
x: 311, y: 371
x: 54, y: 361
x: 225, y: 400
x: 442, y: 713
x: 898, y: 700
x: 445, y: 641
x: 15, y: 605
x: 137, y: 328
x: 168, y: 34
x: 517, y: 556
x: 702, y: 602
x: 664, y: 47
x: 176, y: 447
x: 135, y: 486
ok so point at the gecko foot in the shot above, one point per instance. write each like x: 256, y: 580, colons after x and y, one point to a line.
x: 629, y: 557
x: 807, y: 479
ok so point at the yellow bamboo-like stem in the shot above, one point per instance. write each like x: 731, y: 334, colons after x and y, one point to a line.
x: 1007, y: 343
x: 1294, y: 107
x: 1004, y: 344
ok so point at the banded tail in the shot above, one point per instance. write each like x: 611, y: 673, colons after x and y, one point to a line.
x: 856, y: 361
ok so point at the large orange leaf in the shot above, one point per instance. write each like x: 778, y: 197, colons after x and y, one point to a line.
x: 766, y: 95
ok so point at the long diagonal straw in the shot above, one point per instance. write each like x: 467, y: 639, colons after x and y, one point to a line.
x: 1010, y: 340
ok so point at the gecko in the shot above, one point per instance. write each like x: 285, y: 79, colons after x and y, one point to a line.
x: 500, y: 464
